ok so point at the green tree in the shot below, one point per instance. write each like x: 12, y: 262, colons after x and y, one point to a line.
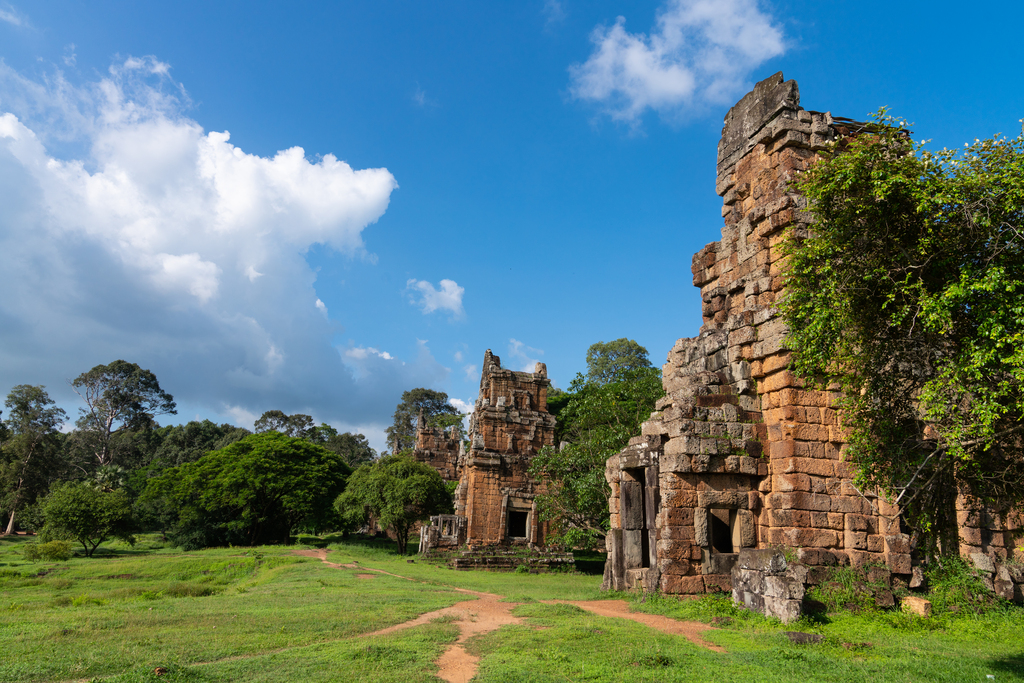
x: 396, y: 490
x: 432, y: 405
x: 596, y: 423
x: 253, y: 491
x: 120, y: 397
x: 81, y: 512
x: 908, y: 294
x: 32, y: 453
x: 611, y: 361
x: 297, y: 425
x: 353, y: 448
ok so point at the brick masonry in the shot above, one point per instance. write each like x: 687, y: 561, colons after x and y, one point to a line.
x: 495, y: 495
x: 740, y: 454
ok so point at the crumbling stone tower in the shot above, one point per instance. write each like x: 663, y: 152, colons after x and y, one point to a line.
x: 739, y: 454
x: 495, y: 498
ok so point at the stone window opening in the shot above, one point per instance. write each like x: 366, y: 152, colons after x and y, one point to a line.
x: 517, y: 523
x: 722, y: 531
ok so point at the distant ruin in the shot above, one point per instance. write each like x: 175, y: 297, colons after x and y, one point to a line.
x: 739, y: 453
x: 495, y: 501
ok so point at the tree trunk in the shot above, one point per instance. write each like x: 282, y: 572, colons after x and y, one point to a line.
x: 14, y: 510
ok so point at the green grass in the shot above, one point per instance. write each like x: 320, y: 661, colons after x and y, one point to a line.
x: 263, y: 614
x: 561, y: 642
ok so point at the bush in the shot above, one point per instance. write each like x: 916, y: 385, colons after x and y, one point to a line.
x: 54, y: 551
x: 954, y: 584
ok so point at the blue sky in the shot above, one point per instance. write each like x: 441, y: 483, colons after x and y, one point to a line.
x: 530, y: 177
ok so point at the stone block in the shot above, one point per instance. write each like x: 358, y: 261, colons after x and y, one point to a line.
x: 700, y: 527
x: 899, y: 544
x: 1004, y: 589
x: 682, y: 585
x: 766, y: 560
x: 983, y: 562
x: 786, y: 611
x: 916, y: 605
x: 898, y: 563
x: 812, y: 538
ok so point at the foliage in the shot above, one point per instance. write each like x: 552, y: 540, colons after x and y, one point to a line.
x: 31, y: 455
x: 119, y: 397
x: 353, y: 448
x: 179, y: 444
x: 597, y: 422
x: 954, y: 584
x: 427, y: 403
x: 397, y: 491
x: 909, y: 295
x: 298, y: 425
x: 83, y: 513
x: 611, y: 361
x: 255, y: 490
x: 53, y: 551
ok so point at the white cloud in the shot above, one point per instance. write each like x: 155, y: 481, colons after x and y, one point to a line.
x: 127, y: 231
x: 526, y: 356
x: 700, y: 52
x: 360, y: 353
x: 462, y: 406
x: 472, y: 372
x: 322, y: 307
x: 69, y: 58
x: 458, y: 356
x: 553, y: 12
x: 12, y: 16
x: 447, y: 298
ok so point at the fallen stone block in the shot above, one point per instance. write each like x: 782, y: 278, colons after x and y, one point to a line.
x: 918, y: 606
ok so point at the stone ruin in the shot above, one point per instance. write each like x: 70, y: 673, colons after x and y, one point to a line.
x: 495, y: 500
x: 739, y: 454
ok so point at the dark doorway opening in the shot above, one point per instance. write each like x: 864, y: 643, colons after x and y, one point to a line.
x: 719, y: 522
x: 517, y: 523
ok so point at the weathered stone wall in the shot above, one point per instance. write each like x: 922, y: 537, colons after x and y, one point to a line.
x: 745, y: 455
x: 510, y: 423
x: 441, y: 450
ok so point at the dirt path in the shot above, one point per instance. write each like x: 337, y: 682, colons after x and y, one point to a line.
x: 487, y: 613
x: 619, y: 609
x: 484, y: 614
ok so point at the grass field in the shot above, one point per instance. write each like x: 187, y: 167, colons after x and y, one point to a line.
x: 263, y: 614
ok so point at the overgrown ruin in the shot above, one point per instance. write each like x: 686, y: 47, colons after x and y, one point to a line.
x: 495, y: 500
x: 739, y: 453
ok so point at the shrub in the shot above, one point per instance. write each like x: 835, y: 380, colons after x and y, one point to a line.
x: 954, y: 584
x: 53, y: 551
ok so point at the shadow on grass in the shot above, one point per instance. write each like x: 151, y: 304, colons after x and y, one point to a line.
x: 1011, y: 664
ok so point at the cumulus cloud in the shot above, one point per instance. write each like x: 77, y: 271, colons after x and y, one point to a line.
x: 526, y: 356
x: 168, y: 245
x: 430, y: 299
x: 699, y: 52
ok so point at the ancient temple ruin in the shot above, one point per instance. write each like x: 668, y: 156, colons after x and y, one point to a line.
x: 495, y: 501
x: 739, y: 453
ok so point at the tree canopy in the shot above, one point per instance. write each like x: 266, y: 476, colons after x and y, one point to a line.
x: 396, y: 490
x: 611, y: 361
x: 596, y: 423
x: 433, y: 405
x: 81, y: 512
x: 31, y: 455
x: 908, y: 293
x: 253, y: 491
x: 119, y: 397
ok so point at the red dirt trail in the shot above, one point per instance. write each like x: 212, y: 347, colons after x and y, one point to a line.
x: 487, y: 613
